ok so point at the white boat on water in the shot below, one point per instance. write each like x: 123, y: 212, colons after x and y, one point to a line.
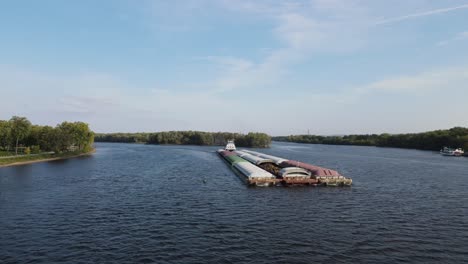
x: 452, y: 152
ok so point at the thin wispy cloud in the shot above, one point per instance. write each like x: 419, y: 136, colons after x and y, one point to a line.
x: 303, y: 29
x: 441, y: 79
x: 421, y: 14
x: 460, y: 36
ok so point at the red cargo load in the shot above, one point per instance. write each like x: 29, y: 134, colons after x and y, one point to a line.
x: 316, y: 170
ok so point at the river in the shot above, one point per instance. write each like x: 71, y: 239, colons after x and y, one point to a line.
x: 182, y: 204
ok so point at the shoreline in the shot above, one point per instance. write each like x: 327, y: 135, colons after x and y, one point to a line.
x: 19, y: 163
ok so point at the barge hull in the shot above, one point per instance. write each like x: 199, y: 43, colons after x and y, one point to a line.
x: 249, y: 181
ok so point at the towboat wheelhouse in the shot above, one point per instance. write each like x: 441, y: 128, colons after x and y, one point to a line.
x: 230, y: 146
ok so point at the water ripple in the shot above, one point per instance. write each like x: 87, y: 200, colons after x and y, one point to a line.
x: 172, y: 204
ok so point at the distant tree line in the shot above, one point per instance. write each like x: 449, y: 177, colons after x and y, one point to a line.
x: 432, y: 140
x: 258, y: 140
x: 18, y: 132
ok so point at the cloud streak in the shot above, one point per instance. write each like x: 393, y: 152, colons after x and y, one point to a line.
x: 303, y: 29
x: 421, y: 84
x: 459, y: 36
x: 421, y: 14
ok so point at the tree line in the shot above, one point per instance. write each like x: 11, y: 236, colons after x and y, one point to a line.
x: 258, y: 140
x: 432, y: 140
x: 19, y: 133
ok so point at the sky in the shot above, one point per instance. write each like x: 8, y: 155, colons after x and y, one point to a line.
x: 282, y: 67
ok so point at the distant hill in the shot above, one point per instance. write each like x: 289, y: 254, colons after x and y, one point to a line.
x: 432, y: 140
x: 255, y: 140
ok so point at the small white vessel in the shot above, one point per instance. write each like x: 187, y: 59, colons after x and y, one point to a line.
x: 452, y: 152
x: 230, y: 146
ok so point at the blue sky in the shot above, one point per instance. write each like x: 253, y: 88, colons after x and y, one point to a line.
x: 281, y: 67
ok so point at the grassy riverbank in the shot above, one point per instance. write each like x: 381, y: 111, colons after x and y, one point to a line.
x: 27, y: 159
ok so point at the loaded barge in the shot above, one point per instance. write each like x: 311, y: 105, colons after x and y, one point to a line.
x: 260, y: 169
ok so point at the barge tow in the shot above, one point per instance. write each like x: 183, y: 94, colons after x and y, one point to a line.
x: 261, y: 169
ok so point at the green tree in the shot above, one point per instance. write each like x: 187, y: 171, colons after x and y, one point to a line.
x: 20, y: 127
x: 77, y: 135
x: 258, y: 140
x: 47, y: 138
x: 5, y: 134
x: 432, y: 140
x: 35, y: 149
x: 82, y: 135
x: 63, y: 136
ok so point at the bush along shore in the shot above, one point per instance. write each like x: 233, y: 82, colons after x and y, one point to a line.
x: 22, y: 142
x: 456, y: 137
x: 254, y: 140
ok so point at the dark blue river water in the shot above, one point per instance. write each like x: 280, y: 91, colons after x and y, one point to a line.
x: 149, y: 204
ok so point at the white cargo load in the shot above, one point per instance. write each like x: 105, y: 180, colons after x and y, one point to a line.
x: 276, y: 160
x: 294, y: 172
x: 252, y: 171
x: 241, y: 153
x: 254, y: 159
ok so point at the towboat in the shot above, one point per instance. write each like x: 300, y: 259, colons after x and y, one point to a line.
x: 452, y: 152
x: 230, y: 146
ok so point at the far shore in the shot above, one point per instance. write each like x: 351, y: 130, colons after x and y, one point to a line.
x: 65, y: 156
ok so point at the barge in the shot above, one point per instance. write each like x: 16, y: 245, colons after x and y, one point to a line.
x: 261, y: 169
x: 248, y: 172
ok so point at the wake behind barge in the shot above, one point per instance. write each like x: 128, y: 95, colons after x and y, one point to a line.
x: 260, y: 169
